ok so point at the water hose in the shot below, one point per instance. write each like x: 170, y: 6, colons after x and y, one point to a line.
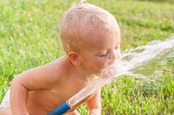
x: 61, y: 109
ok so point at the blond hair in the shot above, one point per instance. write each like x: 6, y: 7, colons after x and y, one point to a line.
x: 78, y: 19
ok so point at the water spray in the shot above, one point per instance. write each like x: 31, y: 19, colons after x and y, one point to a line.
x: 131, y: 61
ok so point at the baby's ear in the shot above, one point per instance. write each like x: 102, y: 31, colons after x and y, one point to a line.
x: 74, y: 58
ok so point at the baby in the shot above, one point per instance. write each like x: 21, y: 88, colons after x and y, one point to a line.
x: 91, y: 39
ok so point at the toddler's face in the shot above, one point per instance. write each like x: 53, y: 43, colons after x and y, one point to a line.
x: 99, y: 49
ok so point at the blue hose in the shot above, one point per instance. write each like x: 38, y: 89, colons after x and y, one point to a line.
x: 61, y: 109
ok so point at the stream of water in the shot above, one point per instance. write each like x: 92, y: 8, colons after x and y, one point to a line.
x: 137, y: 62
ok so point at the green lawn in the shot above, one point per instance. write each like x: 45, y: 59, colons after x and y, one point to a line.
x: 29, y: 37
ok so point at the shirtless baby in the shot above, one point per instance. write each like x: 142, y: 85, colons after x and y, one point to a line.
x: 91, y: 39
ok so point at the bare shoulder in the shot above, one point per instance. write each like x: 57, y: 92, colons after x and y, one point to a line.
x: 55, y: 65
x: 45, y: 76
x: 56, y: 68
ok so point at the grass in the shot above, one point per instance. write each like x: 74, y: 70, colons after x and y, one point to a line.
x: 29, y: 38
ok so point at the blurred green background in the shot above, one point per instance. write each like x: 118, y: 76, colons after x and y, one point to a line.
x: 29, y: 37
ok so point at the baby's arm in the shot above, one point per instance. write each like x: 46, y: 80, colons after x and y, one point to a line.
x: 94, y: 104
x: 18, y: 98
x: 34, y: 79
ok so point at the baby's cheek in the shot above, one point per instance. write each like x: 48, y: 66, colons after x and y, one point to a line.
x: 102, y: 65
x: 98, y: 67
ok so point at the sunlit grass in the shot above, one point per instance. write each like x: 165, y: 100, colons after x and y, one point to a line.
x: 29, y: 37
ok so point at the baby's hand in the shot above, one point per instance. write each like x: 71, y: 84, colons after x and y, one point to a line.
x: 95, y: 112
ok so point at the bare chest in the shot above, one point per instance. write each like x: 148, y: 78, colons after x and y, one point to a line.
x: 43, y: 101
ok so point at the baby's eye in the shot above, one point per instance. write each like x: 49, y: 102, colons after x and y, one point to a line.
x: 103, y: 54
